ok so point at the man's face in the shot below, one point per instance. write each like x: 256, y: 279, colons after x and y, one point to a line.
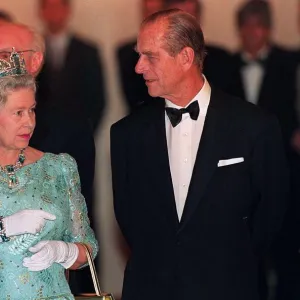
x: 151, y: 6
x: 162, y: 72
x: 55, y: 14
x: 254, y: 35
x: 15, y: 36
x: 189, y: 6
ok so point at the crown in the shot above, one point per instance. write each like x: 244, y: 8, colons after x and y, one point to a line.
x: 14, y: 66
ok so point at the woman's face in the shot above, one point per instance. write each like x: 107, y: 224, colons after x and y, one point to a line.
x: 17, y: 119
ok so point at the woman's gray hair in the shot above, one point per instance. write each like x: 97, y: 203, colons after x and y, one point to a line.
x: 182, y: 30
x: 9, y: 84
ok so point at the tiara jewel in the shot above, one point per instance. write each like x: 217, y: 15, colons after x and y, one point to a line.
x: 13, y: 66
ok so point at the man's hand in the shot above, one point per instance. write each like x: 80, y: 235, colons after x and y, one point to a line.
x: 295, y: 142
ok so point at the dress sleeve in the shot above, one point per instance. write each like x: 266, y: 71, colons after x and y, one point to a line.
x: 79, y: 229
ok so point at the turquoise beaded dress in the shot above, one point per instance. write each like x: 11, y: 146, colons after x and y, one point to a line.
x: 51, y: 184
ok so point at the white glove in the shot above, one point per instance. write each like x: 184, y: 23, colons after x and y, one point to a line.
x: 49, y: 252
x: 26, y: 221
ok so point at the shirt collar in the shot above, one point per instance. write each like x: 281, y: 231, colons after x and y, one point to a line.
x: 60, y: 40
x: 203, y: 97
x: 262, y: 54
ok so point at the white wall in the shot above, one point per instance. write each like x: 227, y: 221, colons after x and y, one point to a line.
x: 108, y: 22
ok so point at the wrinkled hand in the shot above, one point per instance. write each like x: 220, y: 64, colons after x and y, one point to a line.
x: 49, y: 252
x: 295, y: 141
x: 26, y: 221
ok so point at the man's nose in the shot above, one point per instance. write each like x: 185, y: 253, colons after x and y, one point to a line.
x: 140, y: 66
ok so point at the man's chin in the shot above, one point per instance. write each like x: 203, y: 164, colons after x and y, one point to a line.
x: 153, y: 93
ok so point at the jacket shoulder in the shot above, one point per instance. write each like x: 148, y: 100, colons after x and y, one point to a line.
x: 244, y: 113
x: 142, y: 114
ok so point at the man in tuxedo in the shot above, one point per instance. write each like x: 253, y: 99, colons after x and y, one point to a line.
x: 264, y: 74
x: 217, y: 62
x: 71, y: 78
x: 199, y: 177
x: 55, y: 131
x: 133, y: 85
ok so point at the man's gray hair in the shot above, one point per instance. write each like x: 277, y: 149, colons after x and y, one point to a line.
x: 182, y: 30
x: 9, y: 84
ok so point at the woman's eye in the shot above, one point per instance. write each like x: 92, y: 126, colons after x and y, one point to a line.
x: 4, y: 55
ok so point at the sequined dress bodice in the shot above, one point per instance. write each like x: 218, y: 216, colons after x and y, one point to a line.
x: 51, y: 184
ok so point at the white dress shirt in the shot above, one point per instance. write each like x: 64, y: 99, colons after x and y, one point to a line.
x: 252, y: 76
x: 58, y: 45
x: 183, y: 141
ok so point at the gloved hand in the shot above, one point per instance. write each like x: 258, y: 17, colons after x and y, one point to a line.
x: 49, y: 252
x: 26, y: 221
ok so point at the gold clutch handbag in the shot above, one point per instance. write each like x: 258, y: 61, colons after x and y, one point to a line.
x: 99, y: 294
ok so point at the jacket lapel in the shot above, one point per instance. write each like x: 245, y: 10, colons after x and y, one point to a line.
x: 158, y: 167
x: 209, y: 151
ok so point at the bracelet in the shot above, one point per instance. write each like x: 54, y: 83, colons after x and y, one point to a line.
x: 2, y: 231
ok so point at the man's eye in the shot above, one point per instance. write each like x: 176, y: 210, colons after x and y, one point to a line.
x: 19, y: 113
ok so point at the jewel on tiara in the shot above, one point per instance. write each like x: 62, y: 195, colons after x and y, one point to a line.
x: 14, y: 67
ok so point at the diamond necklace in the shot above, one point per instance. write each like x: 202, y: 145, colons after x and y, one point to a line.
x: 10, y: 170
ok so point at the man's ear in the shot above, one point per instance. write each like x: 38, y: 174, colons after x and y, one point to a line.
x: 187, y: 55
x: 36, y: 63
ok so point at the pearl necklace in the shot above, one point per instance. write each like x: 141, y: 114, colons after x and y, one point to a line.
x: 9, y: 171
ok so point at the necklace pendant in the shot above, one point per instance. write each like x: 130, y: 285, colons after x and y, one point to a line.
x: 13, y: 181
x: 10, y: 170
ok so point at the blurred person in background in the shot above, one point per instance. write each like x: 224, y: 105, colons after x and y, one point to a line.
x: 133, y: 84
x: 263, y: 74
x: 217, y: 61
x: 56, y: 131
x: 72, y: 77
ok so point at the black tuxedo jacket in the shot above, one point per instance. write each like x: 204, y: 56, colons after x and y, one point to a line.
x: 57, y: 132
x: 216, y: 65
x: 277, y: 92
x: 78, y: 88
x: 231, y: 212
x: 133, y: 84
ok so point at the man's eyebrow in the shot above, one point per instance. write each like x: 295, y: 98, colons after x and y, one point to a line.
x: 149, y: 53
x: 146, y: 52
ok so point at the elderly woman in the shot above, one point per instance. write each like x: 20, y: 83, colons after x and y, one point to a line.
x: 43, y: 219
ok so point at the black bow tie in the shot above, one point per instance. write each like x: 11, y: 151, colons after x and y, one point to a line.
x: 260, y: 61
x: 175, y: 115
